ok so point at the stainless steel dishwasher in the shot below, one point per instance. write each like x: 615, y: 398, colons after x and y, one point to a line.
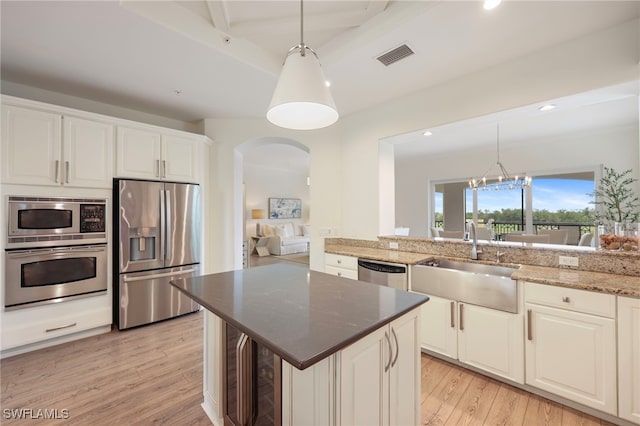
x: 382, y: 273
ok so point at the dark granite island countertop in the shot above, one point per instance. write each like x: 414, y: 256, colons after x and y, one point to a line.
x: 301, y: 315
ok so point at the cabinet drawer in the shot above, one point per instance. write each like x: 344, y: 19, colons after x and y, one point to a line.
x: 340, y: 261
x: 571, y: 299
x: 341, y: 272
x: 50, y: 328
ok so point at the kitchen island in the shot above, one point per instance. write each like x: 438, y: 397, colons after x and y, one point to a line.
x: 349, y: 350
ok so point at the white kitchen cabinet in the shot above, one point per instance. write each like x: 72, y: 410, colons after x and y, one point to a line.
x: 45, y: 148
x: 571, y: 353
x: 149, y: 154
x: 88, y: 153
x: 629, y: 359
x: 439, y: 331
x: 378, y: 382
x: 491, y: 340
x: 307, y: 395
x: 31, y: 328
x: 341, y: 265
x: 488, y: 339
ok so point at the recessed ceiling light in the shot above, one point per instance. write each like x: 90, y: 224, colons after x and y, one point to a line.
x: 327, y: 83
x: 491, y: 4
x: 427, y: 133
x: 547, y: 107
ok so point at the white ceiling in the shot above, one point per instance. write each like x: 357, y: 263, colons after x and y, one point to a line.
x: 223, y: 57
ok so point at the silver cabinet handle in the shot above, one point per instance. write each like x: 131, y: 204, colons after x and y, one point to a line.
x: 49, y: 330
x: 242, y: 361
x: 395, y: 337
x: 164, y: 168
x: 339, y: 274
x: 529, y: 317
x: 386, y: 367
x: 461, y: 320
x: 452, y: 309
x: 339, y: 261
x: 57, y: 171
x: 157, y: 168
x: 66, y: 171
x: 566, y: 299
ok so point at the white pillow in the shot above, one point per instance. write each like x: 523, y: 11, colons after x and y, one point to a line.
x: 289, y: 230
x: 267, y: 230
x: 306, y: 230
x: 280, y: 231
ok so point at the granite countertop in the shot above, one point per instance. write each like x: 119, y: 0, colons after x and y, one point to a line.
x: 623, y: 285
x: 393, y: 256
x: 301, y: 315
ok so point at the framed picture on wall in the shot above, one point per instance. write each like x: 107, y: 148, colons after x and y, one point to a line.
x: 285, y: 208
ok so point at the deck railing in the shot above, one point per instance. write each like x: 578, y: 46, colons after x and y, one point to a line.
x: 576, y: 230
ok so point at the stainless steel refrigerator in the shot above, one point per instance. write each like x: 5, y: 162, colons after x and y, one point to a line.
x: 158, y: 226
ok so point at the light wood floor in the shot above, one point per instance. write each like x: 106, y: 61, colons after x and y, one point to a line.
x: 153, y: 375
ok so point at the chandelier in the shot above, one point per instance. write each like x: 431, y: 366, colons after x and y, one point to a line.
x: 503, y: 180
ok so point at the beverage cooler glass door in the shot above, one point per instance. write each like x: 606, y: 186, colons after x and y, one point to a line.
x: 252, y: 382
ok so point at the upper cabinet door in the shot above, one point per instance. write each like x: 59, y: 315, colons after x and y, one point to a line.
x: 180, y: 159
x: 88, y: 153
x: 138, y: 154
x: 31, y: 146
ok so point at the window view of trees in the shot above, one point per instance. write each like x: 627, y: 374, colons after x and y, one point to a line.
x: 558, y: 201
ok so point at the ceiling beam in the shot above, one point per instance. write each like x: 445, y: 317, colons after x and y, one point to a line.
x: 291, y: 24
x: 179, y: 19
x: 218, y: 14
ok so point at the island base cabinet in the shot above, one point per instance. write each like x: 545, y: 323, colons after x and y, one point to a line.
x: 572, y: 355
x: 307, y: 395
x: 379, y: 376
x: 629, y: 359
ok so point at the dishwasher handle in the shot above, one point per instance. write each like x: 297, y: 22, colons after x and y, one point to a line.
x: 382, y: 267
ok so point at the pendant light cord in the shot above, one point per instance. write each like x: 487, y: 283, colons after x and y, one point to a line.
x: 498, y: 143
x: 302, y: 46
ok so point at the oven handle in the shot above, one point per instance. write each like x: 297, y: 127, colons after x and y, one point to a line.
x: 36, y: 252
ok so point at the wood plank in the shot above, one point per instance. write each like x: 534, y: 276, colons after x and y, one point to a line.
x: 475, y: 404
x: 509, y: 407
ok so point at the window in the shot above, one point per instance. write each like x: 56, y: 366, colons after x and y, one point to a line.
x: 558, y: 201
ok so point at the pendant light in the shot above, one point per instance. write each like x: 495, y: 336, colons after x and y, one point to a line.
x: 503, y: 180
x: 302, y: 100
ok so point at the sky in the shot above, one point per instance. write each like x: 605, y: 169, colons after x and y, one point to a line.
x: 548, y: 194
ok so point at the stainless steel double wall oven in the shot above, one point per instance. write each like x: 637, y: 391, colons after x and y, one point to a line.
x: 56, y: 250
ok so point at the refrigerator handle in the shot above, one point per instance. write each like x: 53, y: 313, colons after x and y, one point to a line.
x: 167, y: 226
x: 163, y: 234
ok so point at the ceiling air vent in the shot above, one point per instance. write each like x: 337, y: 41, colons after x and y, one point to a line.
x: 394, y: 55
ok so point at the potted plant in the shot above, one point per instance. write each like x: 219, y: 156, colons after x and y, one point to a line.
x: 616, y: 204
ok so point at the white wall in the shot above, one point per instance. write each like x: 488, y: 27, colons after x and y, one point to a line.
x: 346, y: 167
x: 599, y: 60
x: 225, y: 198
x: 617, y: 148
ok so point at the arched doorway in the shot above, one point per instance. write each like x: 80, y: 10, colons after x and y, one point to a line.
x: 274, y: 169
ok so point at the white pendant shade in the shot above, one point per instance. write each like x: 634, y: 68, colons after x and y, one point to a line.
x: 302, y: 101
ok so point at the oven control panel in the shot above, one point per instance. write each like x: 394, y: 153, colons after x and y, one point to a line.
x: 92, y: 218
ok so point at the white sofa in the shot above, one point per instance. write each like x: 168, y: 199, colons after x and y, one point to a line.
x: 287, y: 238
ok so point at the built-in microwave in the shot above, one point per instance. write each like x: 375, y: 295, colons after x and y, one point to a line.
x: 55, y: 221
